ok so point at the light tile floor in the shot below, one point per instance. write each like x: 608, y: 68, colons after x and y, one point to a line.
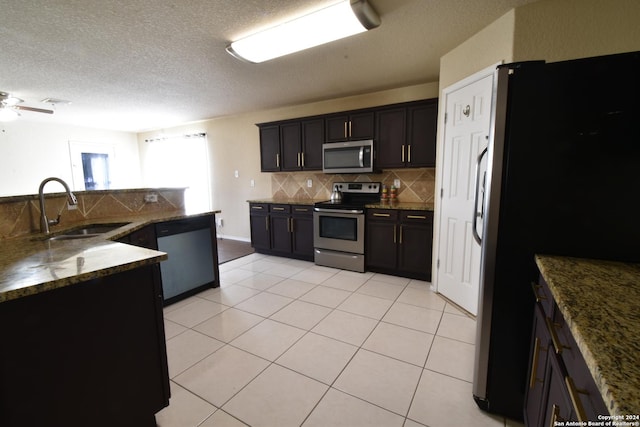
x: 288, y: 343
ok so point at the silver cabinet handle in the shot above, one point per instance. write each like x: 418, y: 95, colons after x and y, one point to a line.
x: 477, y: 214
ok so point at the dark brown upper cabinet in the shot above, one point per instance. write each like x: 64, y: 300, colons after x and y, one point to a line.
x: 404, y: 136
x: 352, y: 126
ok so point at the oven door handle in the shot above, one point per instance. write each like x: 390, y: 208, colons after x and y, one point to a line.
x: 339, y: 211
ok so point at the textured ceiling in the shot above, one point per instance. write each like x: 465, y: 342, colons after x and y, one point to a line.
x: 136, y: 65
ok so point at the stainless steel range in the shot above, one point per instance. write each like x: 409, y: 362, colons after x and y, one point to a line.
x: 338, y: 225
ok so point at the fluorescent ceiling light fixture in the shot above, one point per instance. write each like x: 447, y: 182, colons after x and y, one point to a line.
x: 338, y: 21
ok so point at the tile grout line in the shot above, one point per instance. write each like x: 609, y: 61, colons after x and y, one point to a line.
x: 307, y: 331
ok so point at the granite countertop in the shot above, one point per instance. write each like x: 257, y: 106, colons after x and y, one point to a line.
x: 381, y: 205
x: 33, y: 264
x: 408, y: 206
x: 282, y: 201
x: 600, y: 302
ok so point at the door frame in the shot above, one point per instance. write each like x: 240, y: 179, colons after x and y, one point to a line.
x: 442, y: 108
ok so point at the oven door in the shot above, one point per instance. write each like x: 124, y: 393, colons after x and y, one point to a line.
x: 339, y: 230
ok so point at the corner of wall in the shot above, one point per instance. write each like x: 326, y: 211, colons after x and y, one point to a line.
x: 492, y: 44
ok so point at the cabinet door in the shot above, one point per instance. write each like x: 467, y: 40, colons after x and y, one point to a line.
x: 290, y: 147
x: 337, y: 128
x: 391, y: 146
x: 259, y: 224
x: 421, y: 138
x: 312, y: 140
x: 270, y: 148
x: 558, y: 406
x: 361, y: 125
x: 350, y: 126
x: 281, y: 233
x: 302, y: 232
x: 381, y: 245
x: 415, y: 243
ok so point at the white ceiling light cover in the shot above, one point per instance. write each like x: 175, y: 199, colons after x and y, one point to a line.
x: 338, y: 21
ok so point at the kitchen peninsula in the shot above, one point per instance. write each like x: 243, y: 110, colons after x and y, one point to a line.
x: 83, y: 332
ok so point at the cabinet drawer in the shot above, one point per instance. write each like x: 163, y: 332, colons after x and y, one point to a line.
x: 382, y: 214
x: 302, y: 210
x: 258, y: 208
x: 280, y: 209
x: 424, y: 217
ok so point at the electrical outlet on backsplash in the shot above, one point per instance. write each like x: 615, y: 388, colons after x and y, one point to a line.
x: 416, y: 185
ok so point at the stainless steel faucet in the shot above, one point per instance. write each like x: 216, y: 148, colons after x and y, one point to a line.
x: 44, y: 221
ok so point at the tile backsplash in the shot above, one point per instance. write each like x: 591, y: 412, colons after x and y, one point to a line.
x: 20, y: 215
x: 416, y: 185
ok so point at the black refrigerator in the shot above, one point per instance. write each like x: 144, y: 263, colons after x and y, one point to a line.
x: 562, y: 177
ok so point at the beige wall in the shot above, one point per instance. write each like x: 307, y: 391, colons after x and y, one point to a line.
x: 557, y: 30
x: 491, y: 45
x: 234, y: 145
x: 31, y: 151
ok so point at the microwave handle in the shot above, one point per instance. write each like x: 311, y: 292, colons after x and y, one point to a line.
x: 361, y: 156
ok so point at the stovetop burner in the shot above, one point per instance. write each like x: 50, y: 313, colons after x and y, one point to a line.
x: 355, y: 195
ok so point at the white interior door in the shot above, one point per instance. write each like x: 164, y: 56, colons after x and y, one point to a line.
x: 466, y: 134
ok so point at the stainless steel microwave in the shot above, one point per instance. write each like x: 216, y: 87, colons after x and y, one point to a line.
x: 348, y: 157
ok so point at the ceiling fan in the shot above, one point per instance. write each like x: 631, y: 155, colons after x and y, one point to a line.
x: 9, y: 107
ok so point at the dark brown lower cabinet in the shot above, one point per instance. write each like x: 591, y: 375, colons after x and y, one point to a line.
x: 399, y: 242
x: 560, y: 387
x: 302, y: 231
x: 259, y: 224
x: 89, y: 354
x: 282, y: 229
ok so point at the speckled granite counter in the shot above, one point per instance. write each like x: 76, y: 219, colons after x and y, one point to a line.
x: 381, y: 205
x: 600, y: 302
x: 409, y: 206
x: 32, y: 264
x: 281, y: 201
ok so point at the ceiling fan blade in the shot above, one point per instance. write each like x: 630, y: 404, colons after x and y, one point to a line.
x: 37, y: 110
x: 12, y: 101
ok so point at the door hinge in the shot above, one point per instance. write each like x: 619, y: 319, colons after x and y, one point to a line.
x: 441, y: 193
x: 438, y: 263
x: 446, y: 116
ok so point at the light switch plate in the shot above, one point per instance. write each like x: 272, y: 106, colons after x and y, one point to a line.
x: 396, y: 183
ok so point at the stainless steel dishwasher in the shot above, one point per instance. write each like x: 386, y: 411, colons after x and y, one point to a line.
x: 193, y: 258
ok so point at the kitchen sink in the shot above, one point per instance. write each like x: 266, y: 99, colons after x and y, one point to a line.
x: 87, y: 231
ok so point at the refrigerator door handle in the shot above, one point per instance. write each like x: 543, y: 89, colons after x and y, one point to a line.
x: 477, y: 214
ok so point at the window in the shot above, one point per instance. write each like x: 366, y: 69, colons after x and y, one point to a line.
x: 91, y: 165
x: 95, y: 168
x: 180, y: 161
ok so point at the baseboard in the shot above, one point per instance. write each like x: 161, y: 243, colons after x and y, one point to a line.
x: 226, y: 237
